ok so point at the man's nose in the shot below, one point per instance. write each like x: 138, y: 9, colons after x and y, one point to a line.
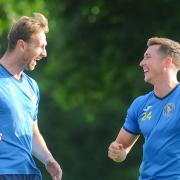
x: 44, y: 53
x: 141, y: 63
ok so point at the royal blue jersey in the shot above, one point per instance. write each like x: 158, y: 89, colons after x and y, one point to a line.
x: 18, y: 109
x: 158, y: 119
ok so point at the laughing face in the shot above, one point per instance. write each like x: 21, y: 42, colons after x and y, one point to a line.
x: 35, y: 50
x: 153, y: 65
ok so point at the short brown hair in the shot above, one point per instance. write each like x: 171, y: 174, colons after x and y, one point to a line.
x: 25, y: 27
x: 167, y: 47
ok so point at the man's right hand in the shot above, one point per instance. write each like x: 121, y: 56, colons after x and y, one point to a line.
x: 116, y: 152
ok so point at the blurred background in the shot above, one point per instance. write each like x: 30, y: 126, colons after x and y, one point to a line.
x: 91, y: 76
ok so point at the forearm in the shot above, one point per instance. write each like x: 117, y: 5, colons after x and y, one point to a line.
x: 39, y: 149
x: 41, y: 152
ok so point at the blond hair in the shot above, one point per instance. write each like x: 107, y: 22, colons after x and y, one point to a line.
x: 167, y: 47
x: 25, y: 27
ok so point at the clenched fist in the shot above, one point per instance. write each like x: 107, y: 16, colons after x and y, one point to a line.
x: 116, y: 152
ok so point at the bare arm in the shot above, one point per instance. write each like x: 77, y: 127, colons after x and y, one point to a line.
x: 42, y: 153
x: 119, y: 149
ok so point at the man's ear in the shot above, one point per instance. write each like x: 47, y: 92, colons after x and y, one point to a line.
x: 168, y: 61
x: 21, y: 44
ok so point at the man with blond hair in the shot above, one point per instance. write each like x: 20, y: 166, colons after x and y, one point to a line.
x: 155, y: 115
x: 20, y: 138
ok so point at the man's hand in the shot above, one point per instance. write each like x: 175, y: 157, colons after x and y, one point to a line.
x: 54, y: 169
x: 116, y: 152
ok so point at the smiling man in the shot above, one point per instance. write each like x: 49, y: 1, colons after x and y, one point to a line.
x: 19, y: 97
x: 155, y: 115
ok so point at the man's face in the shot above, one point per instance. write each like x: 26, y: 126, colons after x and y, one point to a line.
x: 153, y: 65
x: 35, y: 50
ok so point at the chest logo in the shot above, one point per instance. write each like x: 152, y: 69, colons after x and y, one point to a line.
x: 168, y: 109
x: 147, y: 108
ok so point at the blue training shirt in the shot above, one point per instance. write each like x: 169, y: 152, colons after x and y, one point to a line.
x: 18, y: 109
x: 158, y: 119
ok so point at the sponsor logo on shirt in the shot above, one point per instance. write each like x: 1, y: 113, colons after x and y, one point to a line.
x: 147, y: 108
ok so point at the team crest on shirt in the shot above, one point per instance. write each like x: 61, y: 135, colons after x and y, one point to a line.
x: 168, y: 109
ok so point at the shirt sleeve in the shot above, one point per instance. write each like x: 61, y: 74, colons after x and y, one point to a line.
x: 35, y: 117
x: 131, y: 121
x: 35, y: 97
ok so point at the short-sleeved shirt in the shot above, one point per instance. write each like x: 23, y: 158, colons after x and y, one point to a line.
x: 18, y: 109
x: 158, y: 119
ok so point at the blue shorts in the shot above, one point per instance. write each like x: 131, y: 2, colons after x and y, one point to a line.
x: 20, y: 177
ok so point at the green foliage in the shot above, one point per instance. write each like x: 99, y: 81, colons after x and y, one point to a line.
x: 92, y: 59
